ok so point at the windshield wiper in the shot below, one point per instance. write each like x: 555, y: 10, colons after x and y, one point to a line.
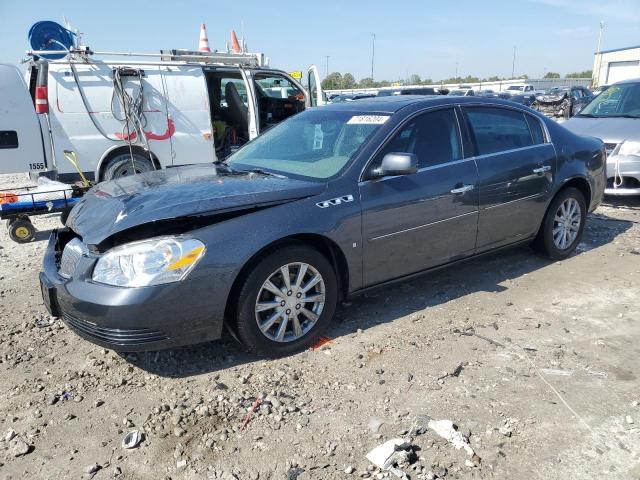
x: 588, y: 115
x: 626, y: 115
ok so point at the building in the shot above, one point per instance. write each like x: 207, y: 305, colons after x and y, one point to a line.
x: 611, y: 66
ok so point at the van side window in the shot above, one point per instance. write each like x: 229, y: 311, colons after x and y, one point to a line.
x: 498, y: 129
x: 536, y: 130
x: 433, y: 137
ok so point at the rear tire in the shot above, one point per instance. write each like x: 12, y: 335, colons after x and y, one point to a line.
x: 122, y: 166
x: 563, y: 224
x: 260, y: 313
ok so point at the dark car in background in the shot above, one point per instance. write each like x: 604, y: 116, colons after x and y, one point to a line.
x: 407, y: 91
x: 326, y: 204
x: 562, y: 102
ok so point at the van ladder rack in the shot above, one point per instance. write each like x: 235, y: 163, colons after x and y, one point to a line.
x: 187, y: 56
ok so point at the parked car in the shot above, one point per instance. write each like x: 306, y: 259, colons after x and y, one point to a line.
x: 562, y: 101
x: 361, y: 96
x: 342, y: 98
x: 461, y: 92
x: 522, y: 98
x: 189, y: 108
x: 516, y: 89
x: 614, y: 117
x: 331, y: 202
x: 408, y: 91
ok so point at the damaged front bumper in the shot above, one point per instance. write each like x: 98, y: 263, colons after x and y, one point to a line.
x: 623, y: 175
x: 552, y: 109
x: 129, y: 319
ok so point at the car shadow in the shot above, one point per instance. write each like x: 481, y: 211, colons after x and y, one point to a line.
x: 384, y: 304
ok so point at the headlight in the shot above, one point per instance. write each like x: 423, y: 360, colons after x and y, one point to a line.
x: 628, y: 148
x: 149, y: 262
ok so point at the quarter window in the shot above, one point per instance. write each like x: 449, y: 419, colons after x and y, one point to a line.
x: 536, y: 130
x: 498, y: 129
x: 433, y: 137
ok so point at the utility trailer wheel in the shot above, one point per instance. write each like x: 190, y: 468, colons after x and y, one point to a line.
x: 21, y: 230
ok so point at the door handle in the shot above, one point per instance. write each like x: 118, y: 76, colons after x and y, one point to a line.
x: 544, y: 169
x: 463, y: 189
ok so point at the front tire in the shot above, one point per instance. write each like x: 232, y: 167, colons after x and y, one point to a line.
x: 563, y: 224
x: 286, y: 301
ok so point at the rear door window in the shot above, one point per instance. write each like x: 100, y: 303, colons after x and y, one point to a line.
x: 497, y: 129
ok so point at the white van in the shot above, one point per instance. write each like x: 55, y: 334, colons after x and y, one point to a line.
x: 192, y: 108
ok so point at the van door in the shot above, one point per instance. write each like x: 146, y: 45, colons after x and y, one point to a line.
x: 252, y: 105
x: 21, y: 144
x: 188, y: 110
x: 316, y: 95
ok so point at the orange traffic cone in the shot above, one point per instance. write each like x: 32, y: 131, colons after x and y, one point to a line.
x: 235, y: 45
x: 203, y: 46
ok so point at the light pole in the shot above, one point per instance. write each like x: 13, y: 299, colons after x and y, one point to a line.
x: 456, y: 75
x: 596, y: 74
x: 327, y: 56
x: 373, y: 52
x: 513, y: 65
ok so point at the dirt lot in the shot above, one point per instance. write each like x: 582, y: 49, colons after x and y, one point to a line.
x: 536, y: 362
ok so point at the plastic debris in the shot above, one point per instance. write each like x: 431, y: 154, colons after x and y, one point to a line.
x: 247, y: 419
x: 374, y: 425
x: 447, y: 430
x: 132, y: 439
x: 386, y: 455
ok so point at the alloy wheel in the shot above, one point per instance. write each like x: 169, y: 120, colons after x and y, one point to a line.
x: 566, y: 223
x: 290, y: 302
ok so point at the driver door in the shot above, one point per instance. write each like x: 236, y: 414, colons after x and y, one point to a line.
x: 316, y: 95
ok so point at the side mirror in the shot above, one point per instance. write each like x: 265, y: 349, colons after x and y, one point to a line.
x: 397, y: 164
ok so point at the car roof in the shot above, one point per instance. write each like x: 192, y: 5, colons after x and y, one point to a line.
x: 630, y: 80
x: 392, y: 104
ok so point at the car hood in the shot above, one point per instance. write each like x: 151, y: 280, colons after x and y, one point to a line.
x: 118, y: 205
x: 609, y: 130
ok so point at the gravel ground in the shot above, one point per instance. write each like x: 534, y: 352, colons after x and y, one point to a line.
x: 536, y: 362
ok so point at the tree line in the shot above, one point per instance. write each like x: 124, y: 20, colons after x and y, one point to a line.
x: 339, y: 81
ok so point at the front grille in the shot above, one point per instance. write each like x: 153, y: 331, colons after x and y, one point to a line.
x: 609, y: 147
x: 71, y: 255
x: 116, y: 336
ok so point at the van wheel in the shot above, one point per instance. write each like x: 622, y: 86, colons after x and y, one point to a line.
x: 286, y: 301
x: 122, y: 166
x: 563, y: 224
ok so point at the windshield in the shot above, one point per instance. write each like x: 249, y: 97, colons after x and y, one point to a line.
x: 456, y: 92
x: 622, y: 100
x: 514, y: 87
x: 316, y: 144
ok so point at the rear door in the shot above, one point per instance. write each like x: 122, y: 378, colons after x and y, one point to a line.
x: 316, y: 95
x: 516, y: 166
x: 21, y: 144
x: 414, y: 222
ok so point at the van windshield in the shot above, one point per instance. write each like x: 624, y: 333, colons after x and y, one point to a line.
x: 316, y: 144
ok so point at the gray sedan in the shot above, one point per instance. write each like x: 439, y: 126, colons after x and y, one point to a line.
x: 330, y: 203
x: 614, y: 117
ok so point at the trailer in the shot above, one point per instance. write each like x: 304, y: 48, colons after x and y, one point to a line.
x: 17, y: 205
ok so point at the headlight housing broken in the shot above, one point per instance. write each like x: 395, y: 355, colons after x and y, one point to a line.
x: 149, y: 262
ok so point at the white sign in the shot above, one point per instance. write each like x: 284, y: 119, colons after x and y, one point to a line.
x: 368, y: 119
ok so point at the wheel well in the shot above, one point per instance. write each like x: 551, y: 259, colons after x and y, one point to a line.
x: 582, y: 185
x: 137, y: 149
x: 324, y: 245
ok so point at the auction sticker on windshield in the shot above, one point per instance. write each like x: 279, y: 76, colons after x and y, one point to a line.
x: 368, y: 119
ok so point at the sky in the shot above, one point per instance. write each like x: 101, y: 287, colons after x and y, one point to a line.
x: 411, y: 36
